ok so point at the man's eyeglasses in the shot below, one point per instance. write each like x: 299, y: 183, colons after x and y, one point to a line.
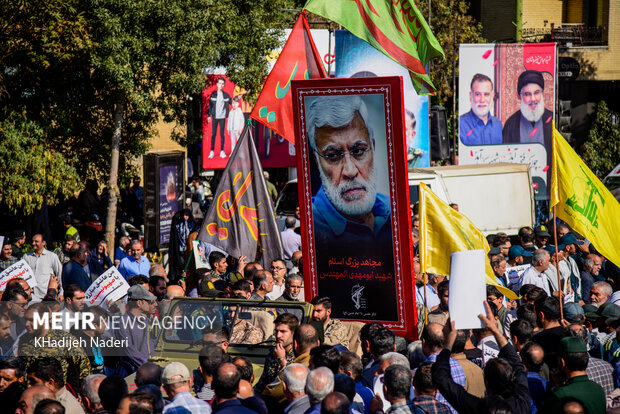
x: 358, y: 153
x: 277, y: 268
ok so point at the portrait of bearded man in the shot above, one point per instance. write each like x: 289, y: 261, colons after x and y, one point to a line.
x: 532, y: 122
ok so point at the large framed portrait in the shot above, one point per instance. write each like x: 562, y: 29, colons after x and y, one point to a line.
x: 354, y: 198
x: 506, y: 106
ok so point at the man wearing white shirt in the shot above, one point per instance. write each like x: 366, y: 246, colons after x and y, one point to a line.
x: 278, y: 269
x: 432, y: 298
x: 534, y: 274
x: 44, y: 264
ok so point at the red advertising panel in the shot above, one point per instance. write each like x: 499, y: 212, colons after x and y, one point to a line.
x: 273, y: 150
x: 354, y: 198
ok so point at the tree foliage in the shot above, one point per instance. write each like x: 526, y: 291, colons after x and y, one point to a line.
x: 30, y: 171
x: 65, y: 65
x: 452, y: 26
x: 602, y: 148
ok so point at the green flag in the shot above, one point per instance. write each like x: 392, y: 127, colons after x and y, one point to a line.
x: 394, y: 27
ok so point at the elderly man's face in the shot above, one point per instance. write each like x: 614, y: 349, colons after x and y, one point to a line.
x: 137, y: 250
x: 292, y: 288
x: 597, y: 263
x: 532, y: 105
x: 481, y: 97
x: 345, y: 158
x: 598, y: 296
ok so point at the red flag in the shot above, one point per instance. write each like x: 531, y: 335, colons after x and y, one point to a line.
x: 299, y: 59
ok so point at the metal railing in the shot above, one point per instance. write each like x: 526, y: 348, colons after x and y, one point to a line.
x: 567, y: 34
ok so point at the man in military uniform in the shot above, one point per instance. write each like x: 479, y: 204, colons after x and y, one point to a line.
x: 572, y: 361
x: 243, y: 332
x: 334, y: 331
x: 53, y: 343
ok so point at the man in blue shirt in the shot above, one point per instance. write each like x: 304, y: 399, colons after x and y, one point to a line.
x: 478, y: 126
x: 136, y: 264
x: 73, y: 272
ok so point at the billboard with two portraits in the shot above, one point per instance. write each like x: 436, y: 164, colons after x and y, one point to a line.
x: 354, y: 200
x: 506, y: 106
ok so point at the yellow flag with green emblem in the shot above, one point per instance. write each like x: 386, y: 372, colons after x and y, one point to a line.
x: 443, y: 231
x: 582, y: 200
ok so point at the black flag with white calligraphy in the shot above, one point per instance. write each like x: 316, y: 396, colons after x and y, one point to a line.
x: 241, y: 219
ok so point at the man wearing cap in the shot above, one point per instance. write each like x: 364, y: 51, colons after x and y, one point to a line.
x: 516, y: 264
x: 532, y: 122
x: 568, y: 266
x: 590, y: 274
x: 597, y: 370
x: 176, y: 380
x: 605, y: 320
x: 542, y: 236
x: 572, y: 361
x: 136, y: 331
x: 19, y: 240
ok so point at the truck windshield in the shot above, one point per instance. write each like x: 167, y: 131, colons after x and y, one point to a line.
x: 237, y: 321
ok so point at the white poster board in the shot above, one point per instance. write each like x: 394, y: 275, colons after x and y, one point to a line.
x: 20, y: 269
x: 467, y: 288
x: 109, y: 287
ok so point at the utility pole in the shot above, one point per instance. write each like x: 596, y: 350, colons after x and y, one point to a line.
x: 519, y: 20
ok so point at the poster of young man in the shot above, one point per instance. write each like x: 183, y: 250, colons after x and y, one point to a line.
x: 219, y: 135
x: 354, y: 199
x: 170, y: 188
x: 506, y: 106
x: 356, y: 58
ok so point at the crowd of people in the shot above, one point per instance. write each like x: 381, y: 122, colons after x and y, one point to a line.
x: 554, y: 350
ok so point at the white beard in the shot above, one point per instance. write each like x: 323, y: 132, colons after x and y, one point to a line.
x: 533, y: 115
x: 479, y: 110
x: 355, y: 207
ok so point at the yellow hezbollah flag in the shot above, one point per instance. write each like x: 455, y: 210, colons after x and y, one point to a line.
x: 445, y: 231
x: 582, y: 200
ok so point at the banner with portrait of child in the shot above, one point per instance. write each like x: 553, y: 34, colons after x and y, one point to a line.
x: 354, y: 199
x: 506, y: 106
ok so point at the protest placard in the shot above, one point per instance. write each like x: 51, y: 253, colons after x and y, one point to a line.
x: 110, y: 286
x: 467, y: 288
x: 19, y: 269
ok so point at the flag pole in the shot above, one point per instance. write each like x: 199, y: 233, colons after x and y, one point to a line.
x: 557, y: 268
x: 425, y: 280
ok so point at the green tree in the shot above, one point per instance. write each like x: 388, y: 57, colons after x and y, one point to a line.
x: 31, y: 172
x: 96, y: 75
x: 602, y: 148
x: 152, y: 54
x: 452, y: 26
